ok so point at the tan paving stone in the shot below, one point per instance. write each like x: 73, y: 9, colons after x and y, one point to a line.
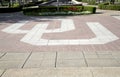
x: 90, y: 52
x: 106, y: 72
x: 71, y: 63
x: 69, y: 55
x: 10, y: 64
x: 117, y: 59
x: 47, y: 73
x: 103, y: 52
x: 13, y: 60
x: 28, y: 73
x: 1, y: 54
x: 40, y: 63
x: 116, y: 54
x: 91, y: 56
x: 1, y: 71
x: 14, y: 56
x: 42, y: 55
x: 105, y: 56
x: 41, y: 59
x: 64, y: 72
x: 73, y: 73
x: 102, y: 62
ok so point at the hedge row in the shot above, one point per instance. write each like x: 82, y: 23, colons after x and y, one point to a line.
x: 61, y: 9
x: 42, y: 9
x: 109, y: 7
x: 8, y: 10
x: 89, y: 8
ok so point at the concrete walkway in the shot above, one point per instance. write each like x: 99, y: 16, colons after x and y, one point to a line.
x: 60, y: 64
x: 62, y: 72
x: 59, y: 59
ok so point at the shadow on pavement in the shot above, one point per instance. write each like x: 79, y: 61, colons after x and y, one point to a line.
x: 19, y: 16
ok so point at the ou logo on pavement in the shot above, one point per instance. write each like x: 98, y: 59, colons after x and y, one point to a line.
x: 33, y: 36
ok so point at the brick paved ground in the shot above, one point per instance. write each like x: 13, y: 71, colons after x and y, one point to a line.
x: 20, y: 59
x: 11, y: 42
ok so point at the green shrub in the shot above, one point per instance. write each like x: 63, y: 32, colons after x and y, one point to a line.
x: 109, y: 7
x: 89, y: 8
x: 100, y: 6
x: 15, y: 5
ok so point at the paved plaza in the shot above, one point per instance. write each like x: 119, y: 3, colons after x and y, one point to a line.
x: 70, y: 33
x: 60, y: 46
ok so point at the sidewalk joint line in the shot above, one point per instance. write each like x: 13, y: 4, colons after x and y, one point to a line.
x: 92, y: 73
x: 116, y: 59
x: 26, y: 60
x: 85, y: 59
x: 3, y: 73
x: 56, y: 59
x: 3, y: 55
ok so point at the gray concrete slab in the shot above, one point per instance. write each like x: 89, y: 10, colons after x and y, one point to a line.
x: 70, y: 55
x: 103, y: 52
x: 14, y: 56
x: 106, y: 72
x: 73, y: 72
x: 102, y: 62
x: 70, y: 59
x: 89, y: 52
x: 42, y: 55
x: 1, y: 72
x: 64, y: 72
x: 105, y: 56
x: 71, y: 63
x: 116, y: 54
x: 40, y: 63
x: 48, y: 73
x: 13, y: 60
x: 91, y: 55
x: 11, y: 64
x: 59, y: 59
x: 41, y: 59
x: 1, y: 54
